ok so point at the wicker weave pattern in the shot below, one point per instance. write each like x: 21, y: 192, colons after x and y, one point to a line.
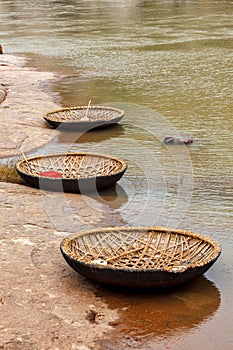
x: 172, y: 251
x: 73, y: 166
x: 84, y: 114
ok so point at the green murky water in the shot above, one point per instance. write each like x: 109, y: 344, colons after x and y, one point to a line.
x: 168, y: 64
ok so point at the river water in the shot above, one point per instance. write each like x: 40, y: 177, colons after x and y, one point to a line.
x: 168, y: 65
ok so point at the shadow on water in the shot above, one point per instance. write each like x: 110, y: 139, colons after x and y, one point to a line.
x: 92, y: 136
x: 148, y: 317
x: 114, y: 196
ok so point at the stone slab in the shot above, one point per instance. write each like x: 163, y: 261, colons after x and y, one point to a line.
x: 44, y: 304
x: 22, y: 127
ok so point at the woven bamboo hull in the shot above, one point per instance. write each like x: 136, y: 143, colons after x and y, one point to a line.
x: 72, y: 185
x: 136, y: 279
x: 84, y: 118
x: 141, y: 257
x: 71, y: 172
x: 84, y: 126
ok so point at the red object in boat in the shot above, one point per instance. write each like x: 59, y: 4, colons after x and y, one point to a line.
x: 51, y: 173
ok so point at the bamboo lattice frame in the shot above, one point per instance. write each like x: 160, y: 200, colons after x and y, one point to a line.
x: 73, y: 167
x: 140, y: 250
x: 95, y: 116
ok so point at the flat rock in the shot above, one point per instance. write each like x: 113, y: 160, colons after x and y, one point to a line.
x: 44, y: 304
x: 24, y: 100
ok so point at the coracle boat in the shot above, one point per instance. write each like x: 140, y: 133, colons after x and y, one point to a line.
x: 71, y: 172
x: 84, y: 117
x: 140, y: 257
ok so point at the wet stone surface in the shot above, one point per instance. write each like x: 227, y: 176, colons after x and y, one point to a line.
x: 23, y: 104
x: 44, y: 304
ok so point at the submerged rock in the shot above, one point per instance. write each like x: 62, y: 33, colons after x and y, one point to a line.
x: 178, y: 140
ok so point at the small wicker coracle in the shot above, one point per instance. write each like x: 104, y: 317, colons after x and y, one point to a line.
x: 71, y: 172
x: 140, y: 257
x: 84, y: 117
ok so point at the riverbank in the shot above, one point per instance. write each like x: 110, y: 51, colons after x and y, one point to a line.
x: 25, y: 100
x: 43, y: 303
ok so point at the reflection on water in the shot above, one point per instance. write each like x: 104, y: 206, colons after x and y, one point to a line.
x: 114, y: 196
x: 147, y: 318
x: 92, y: 136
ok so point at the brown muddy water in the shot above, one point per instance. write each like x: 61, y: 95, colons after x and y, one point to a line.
x: 168, y: 65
